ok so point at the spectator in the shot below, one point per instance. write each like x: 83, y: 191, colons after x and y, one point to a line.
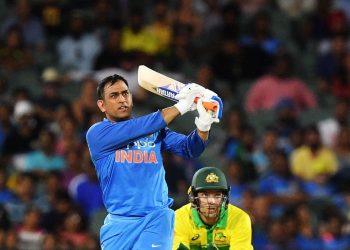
x: 6, y: 194
x: 84, y: 106
x: 51, y: 242
x: 226, y: 61
x: 277, y: 236
x: 49, y: 101
x: 78, y: 49
x: 306, y: 44
x: 235, y: 181
x: 104, y: 14
x: 296, y: 140
x: 280, y: 186
x: 268, y: 90
x: 336, y: 26
x: 73, y: 232
x: 342, y: 151
x: 287, y: 125
x: 328, y: 64
x: 30, y: 26
x: 307, y: 237
x: 340, y: 83
x: 259, y: 46
x: 313, y: 159
x: 331, y: 233
x: 161, y: 26
x: 242, y: 151
x: 296, y: 9
x: 51, y: 14
x: 25, y: 198
x: 186, y: 15
x: 261, y: 220
x: 229, y: 28
x: 85, y: 189
x: 138, y: 39
x: 62, y: 205
x: 250, y: 8
x: 235, y: 122
x: 111, y: 55
x: 30, y: 234
x: 25, y: 130
x: 14, y: 55
x: 329, y: 128
x: 47, y: 191
x: 319, y: 18
x: 44, y: 159
x: 11, y: 240
x: 69, y: 138
x: 5, y: 123
x: 176, y: 178
x: 263, y: 153
x: 73, y: 167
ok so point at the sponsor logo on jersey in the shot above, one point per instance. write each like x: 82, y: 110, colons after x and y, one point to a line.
x: 140, y: 144
x: 195, y: 237
x: 135, y: 156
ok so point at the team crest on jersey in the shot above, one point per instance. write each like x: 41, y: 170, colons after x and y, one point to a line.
x: 219, y: 236
x: 212, y: 178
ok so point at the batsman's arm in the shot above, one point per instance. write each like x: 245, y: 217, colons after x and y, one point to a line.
x: 169, y: 114
x: 204, y: 135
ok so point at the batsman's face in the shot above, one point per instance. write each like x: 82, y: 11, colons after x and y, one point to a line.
x: 117, y: 101
x: 210, y: 203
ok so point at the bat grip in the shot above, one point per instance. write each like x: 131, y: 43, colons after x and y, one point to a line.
x: 208, y: 105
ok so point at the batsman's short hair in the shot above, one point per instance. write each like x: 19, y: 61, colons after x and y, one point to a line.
x: 109, y: 80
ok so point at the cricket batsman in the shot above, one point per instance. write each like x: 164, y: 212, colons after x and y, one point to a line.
x: 126, y: 153
x: 209, y: 221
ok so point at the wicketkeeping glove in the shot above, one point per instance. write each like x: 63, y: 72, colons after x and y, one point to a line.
x: 212, y: 246
x: 207, y: 117
x: 182, y: 247
x: 186, y: 97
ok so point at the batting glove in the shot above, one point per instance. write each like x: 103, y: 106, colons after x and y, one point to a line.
x: 208, y: 117
x: 209, y: 94
x: 186, y: 97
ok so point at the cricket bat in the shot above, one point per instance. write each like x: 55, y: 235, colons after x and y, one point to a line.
x: 164, y: 86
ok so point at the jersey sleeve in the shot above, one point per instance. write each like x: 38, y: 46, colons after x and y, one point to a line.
x: 105, y: 137
x: 242, y: 234
x: 181, y: 239
x: 187, y: 146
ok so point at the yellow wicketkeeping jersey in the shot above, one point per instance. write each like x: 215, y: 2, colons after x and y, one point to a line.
x: 232, y: 231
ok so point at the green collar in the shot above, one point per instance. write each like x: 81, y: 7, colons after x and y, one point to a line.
x: 221, y: 223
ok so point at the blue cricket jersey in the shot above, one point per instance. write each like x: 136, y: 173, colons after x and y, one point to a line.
x: 128, y: 161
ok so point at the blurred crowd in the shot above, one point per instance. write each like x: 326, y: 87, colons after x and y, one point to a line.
x: 282, y: 68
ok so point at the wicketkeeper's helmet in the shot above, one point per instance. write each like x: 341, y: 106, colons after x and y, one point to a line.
x: 208, y: 178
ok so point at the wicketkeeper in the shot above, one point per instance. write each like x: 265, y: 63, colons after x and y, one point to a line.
x: 209, y: 221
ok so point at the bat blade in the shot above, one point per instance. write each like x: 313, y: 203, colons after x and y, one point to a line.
x: 158, y: 83
x: 164, y: 86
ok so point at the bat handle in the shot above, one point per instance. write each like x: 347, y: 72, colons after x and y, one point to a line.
x: 208, y: 105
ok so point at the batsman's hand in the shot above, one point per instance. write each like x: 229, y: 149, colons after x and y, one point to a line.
x: 207, y: 117
x: 186, y: 97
